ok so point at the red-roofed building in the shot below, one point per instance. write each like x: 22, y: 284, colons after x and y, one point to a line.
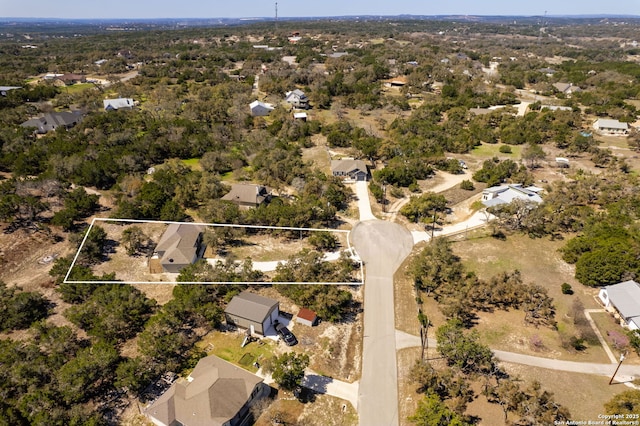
x: 307, y: 317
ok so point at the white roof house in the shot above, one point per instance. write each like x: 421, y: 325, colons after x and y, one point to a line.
x: 505, y: 194
x: 297, y: 98
x: 260, y: 109
x: 624, y: 300
x: 118, y: 103
x: 611, y: 127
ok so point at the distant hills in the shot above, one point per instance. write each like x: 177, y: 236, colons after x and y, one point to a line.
x: 8, y: 22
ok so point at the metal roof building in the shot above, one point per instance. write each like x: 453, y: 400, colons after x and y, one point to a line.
x: 252, y: 311
x: 623, y: 298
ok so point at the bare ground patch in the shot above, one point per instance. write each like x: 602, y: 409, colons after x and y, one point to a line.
x: 542, y: 265
x: 583, y: 394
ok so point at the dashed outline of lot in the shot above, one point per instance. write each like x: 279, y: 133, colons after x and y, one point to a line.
x: 266, y: 267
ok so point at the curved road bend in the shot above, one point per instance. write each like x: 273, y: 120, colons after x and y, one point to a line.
x: 382, y: 246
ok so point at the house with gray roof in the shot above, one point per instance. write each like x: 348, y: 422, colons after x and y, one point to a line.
x: 247, y: 195
x: 350, y: 169
x: 252, y: 311
x: 216, y: 393
x: 5, y: 89
x: 567, y: 88
x: 180, y: 246
x: 53, y: 120
x: 623, y: 299
x: 118, y: 103
x: 504, y: 194
x: 260, y: 109
x: 297, y: 98
x: 611, y: 127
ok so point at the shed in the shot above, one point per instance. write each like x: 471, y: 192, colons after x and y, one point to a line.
x: 307, y: 317
x: 247, y: 310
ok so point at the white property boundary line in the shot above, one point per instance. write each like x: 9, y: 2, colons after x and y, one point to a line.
x: 167, y: 222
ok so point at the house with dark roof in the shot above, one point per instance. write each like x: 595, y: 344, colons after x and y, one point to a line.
x: 297, y: 98
x: 567, y: 88
x: 216, y: 393
x: 180, y: 246
x: 504, y: 194
x: 247, y: 195
x: 54, y: 120
x: 69, y: 78
x: 623, y: 300
x: 350, y: 169
x: 252, y: 311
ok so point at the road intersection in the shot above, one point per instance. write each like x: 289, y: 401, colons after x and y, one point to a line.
x: 383, y: 246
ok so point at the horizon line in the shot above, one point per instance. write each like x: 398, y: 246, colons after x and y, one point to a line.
x: 271, y: 18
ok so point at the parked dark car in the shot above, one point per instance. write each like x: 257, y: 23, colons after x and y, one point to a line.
x: 288, y: 337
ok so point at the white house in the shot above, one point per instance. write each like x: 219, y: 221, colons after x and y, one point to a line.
x: 505, y: 194
x: 611, y: 127
x: 297, y: 98
x: 260, y: 109
x: 118, y: 103
x: 623, y: 300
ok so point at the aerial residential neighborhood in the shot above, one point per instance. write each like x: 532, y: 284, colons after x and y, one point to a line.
x: 355, y: 220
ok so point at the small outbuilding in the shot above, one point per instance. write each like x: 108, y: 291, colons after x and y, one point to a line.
x: 252, y: 311
x: 307, y: 317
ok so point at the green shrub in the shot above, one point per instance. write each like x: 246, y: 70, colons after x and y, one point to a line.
x: 467, y: 185
x: 505, y: 149
x: 566, y: 288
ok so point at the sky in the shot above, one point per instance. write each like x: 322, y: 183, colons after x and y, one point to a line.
x: 148, y: 9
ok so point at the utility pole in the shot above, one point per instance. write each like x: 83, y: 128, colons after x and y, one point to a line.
x: 384, y: 197
x: 617, y: 368
x: 276, y: 16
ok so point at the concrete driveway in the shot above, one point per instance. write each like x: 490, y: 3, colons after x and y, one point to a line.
x: 382, y: 246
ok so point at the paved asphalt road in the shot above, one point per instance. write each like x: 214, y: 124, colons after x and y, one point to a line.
x: 382, y: 246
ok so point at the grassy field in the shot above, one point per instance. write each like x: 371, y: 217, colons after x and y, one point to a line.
x: 78, y: 87
x: 487, y: 150
x: 227, y: 346
x: 192, y: 163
